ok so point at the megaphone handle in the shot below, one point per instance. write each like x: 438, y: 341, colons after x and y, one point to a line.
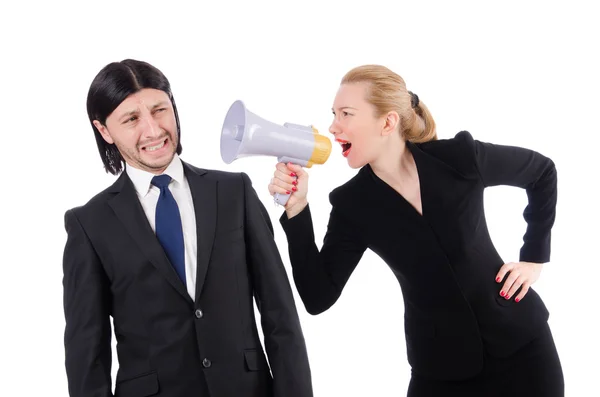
x: 281, y: 199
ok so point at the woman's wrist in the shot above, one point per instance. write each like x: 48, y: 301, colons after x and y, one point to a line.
x: 296, y: 208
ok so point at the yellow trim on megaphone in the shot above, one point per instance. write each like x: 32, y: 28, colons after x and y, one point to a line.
x: 321, y: 151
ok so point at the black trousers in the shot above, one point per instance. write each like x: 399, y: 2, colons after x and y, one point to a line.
x: 533, y: 371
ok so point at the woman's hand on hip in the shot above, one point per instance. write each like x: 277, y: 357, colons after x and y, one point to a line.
x: 290, y: 179
x: 520, y: 275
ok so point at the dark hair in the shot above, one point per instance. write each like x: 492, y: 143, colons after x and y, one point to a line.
x: 115, y: 82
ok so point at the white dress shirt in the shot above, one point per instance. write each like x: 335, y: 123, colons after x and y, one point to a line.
x: 179, y: 187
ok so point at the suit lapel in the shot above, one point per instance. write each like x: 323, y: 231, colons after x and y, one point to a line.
x: 204, y: 194
x: 128, y: 209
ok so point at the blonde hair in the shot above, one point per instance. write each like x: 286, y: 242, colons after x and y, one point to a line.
x: 387, y: 92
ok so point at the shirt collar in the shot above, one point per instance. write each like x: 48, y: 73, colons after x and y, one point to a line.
x: 142, y: 179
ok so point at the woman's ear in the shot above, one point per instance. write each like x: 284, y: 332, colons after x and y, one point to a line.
x: 391, y: 123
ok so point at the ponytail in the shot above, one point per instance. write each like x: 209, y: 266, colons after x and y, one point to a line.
x: 420, y: 126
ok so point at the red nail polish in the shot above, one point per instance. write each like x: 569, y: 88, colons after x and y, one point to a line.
x: 294, y: 182
x: 293, y: 174
x: 517, y: 300
x: 289, y: 192
x: 501, y: 293
x: 507, y: 297
x: 497, y: 279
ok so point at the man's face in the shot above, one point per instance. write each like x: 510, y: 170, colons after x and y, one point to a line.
x: 144, y: 129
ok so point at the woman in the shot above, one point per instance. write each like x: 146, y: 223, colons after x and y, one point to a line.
x: 473, y: 325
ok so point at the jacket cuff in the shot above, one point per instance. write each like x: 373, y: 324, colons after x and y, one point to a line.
x: 296, y: 227
x: 535, y: 252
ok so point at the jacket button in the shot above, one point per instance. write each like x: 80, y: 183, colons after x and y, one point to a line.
x: 199, y: 313
x: 206, y: 363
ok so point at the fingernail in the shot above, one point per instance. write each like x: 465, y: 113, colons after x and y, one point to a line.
x: 293, y: 174
x: 294, y: 182
x: 294, y: 188
x: 501, y: 293
x: 288, y: 192
x: 517, y: 300
x: 497, y: 279
x: 507, y: 297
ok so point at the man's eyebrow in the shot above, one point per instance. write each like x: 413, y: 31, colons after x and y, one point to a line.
x: 161, y: 103
x: 130, y: 113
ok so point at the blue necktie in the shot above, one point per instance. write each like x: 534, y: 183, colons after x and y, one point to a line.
x: 168, y: 225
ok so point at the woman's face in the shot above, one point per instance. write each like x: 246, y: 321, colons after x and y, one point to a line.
x: 355, y: 126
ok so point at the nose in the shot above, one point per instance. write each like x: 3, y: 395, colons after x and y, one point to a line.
x: 149, y: 126
x: 334, y: 128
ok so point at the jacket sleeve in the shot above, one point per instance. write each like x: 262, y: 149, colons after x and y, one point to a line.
x: 86, y: 300
x: 320, y: 275
x: 283, y: 336
x: 529, y: 170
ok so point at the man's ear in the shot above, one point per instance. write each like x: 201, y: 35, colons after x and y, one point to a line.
x: 103, y: 131
x: 391, y: 123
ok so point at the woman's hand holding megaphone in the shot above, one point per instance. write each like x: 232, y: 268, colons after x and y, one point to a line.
x: 290, y: 179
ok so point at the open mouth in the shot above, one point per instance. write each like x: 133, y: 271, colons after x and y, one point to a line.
x: 155, y: 146
x: 346, y: 146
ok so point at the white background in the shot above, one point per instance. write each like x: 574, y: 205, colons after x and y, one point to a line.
x: 519, y: 73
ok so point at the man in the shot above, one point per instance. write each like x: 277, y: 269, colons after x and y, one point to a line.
x: 175, y: 254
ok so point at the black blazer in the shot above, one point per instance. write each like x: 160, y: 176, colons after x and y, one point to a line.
x: 444, y: 260
x: 169, y: 345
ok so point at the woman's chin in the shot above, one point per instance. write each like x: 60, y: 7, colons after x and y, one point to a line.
x: 354, y: 163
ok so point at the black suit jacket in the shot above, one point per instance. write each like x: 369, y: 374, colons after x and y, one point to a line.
x: 444, y: 260
x: 169, y: 345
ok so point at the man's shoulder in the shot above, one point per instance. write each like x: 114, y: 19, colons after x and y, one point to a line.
x: 215, y: 174
x: 98, y: 201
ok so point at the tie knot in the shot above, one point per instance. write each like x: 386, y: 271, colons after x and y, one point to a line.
x: 161, y: 181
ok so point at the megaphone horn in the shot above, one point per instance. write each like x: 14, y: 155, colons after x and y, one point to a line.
x: 246, y: 134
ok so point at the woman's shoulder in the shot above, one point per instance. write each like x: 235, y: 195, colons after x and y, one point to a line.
x: 462, y: 142
x: 349, y: 194
x: 457, y: 152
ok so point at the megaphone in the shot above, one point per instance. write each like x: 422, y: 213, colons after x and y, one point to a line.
x: 245, y: 134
